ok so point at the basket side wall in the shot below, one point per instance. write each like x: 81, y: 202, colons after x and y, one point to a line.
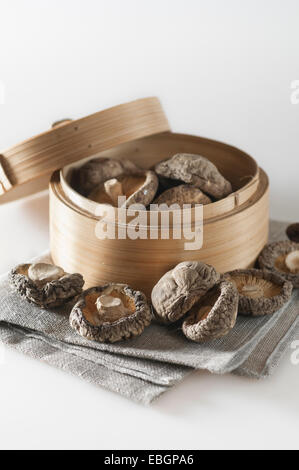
x: 232, y: 242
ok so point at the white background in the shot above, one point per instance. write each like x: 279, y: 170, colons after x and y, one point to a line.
x: 222, y: 70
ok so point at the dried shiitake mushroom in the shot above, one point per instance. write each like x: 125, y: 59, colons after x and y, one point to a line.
x: 137, y: 188
x: 179, y: 289
x: 183, y: 194
x: 195, y: 170
x: 283, y: 258
x: 260, y: 292
x: 110, y: 313
x: 167, y: 183
x: 214, y: 315
x: 45, y: 284
x: 293, y: 232
x: 98, y: 170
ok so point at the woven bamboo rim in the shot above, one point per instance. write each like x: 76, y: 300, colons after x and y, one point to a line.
x: 70, y: 141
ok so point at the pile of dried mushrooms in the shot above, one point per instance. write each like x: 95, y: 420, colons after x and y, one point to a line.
x: 182, y: 179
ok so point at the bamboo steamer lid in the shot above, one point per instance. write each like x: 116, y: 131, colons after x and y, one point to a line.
x: 26, y: 168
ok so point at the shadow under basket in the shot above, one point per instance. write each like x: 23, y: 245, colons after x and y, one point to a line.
x: 235, y: 229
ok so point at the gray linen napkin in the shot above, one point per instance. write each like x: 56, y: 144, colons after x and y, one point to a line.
x: 145, y: 367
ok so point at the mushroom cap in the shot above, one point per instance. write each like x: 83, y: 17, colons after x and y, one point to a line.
x: 183, y: 194
x: 293, y: 232
x: 86, y: 321
x: 273, y: 257
x: 146, y: 192
x: 214, y: 315
x: 47, y: 294
x: 138, y: 188
x: 98, y: 170
x: 195, y: 170
x: 260, y: 292
x: 179, y: 289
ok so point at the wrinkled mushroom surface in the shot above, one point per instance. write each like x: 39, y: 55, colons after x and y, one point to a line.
x: 45, y: 285
x: 110, y: 313
x: 134, y: 189
x: 195, y: 170
x: 183, y: 194
x: 260, y: 292
x: 214, y: 315
x: 282, y: 258
x: 178, y: 290
x: 98, y: 170
x: 293, y: 232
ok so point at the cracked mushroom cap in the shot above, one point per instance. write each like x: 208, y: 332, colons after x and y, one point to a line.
x: 195, y: 170
x: 110, y: 313
x: 45, y: 285
x: 98, y: 170
x: 137, y: 188
x: 260, y: 292
x: 183, y: 194
x: 179, y: 289
x: 214, y: 315
x: 293, y: 232
x: 282, y: 258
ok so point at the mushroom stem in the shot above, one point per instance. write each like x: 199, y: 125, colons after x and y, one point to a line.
x: 292, y: 261
x: 41, y: 273
x: 111, y: 307
x: 114, y: 189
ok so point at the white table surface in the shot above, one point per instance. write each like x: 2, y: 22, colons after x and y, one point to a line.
x: 43, y: 407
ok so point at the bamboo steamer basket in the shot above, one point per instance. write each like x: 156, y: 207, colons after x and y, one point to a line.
x: 235, y: 229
